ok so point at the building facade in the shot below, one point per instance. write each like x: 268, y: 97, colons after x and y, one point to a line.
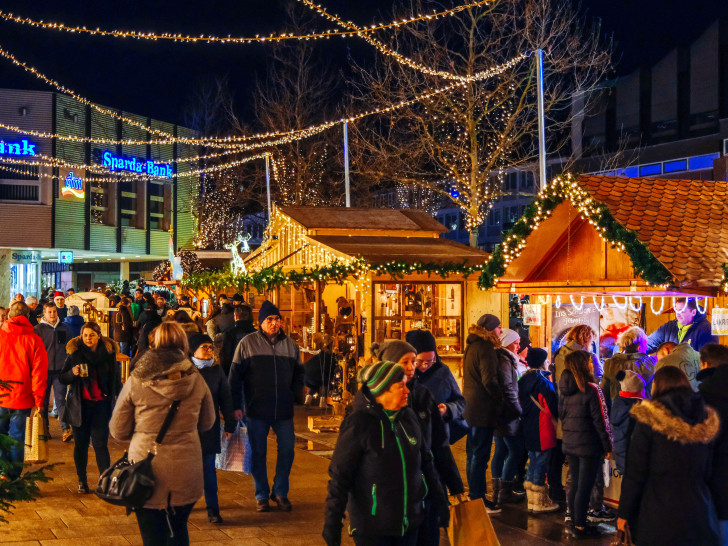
x: 78, y: 211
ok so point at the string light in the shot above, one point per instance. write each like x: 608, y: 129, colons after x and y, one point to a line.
x: 697, y: 305
x: 600, y: 306
x: 652, y: 305
x: 57, y: 162
x: 384, y: 49
x: 179, y: 37
x: 114, y: 180
x: 635, y: 308
x: 623, y: 306
x: 577, y: 307
x: 557, y: 303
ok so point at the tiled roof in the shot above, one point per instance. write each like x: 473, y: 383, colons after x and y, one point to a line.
x: 363, y: 218
x: 684, y: 223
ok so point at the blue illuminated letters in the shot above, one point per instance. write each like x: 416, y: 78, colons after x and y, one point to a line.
x: 23, y: 147
x: 133, y: 164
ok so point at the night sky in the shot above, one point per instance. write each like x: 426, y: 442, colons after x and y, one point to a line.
x: 156, y: 78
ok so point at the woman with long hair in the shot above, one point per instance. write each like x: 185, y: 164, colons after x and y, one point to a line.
x: 93, y: 377
x: 587, y: 435
x: 163, y: 375
x: 665, y: 495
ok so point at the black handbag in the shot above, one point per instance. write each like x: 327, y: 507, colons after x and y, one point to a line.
x: 132, y: 484
x: 71, y: 413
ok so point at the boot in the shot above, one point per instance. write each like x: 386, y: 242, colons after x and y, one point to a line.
x: 496, y: 489
x: 543, y: 503
x: 530, y: 495
x: 506, y: 495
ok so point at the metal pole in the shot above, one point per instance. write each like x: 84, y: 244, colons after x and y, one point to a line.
x: 346, y: 163
x: 541, y: 124
x: 267, y: 183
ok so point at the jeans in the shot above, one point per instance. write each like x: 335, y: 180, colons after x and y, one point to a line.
x: 59, y: 397
x: 210, y: 476
x: 410, y: 539
x: 258, y: 435
x: 507, y: 457
x: 94, y: 429
x: 12, y: 423
x: 162, y: 528
x: 477, y: 449
x: 596, y: 498
x: 582, y: 475
x: 538, y: 466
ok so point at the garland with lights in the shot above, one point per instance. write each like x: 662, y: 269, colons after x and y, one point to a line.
x: 189, y: 261
x: 724, y: 282
x: 337, y: 271
x: 562, y: 188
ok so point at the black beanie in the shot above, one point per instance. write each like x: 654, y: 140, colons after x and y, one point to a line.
x: 422, y: 340
x: 536, y: 357
x: 267, y: 310
x: 489, y: 322
x: 196, y: 340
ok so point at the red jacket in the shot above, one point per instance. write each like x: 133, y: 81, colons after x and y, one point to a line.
x: 23, y: 358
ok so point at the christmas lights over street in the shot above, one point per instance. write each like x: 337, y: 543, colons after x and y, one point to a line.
x: 115, y: 163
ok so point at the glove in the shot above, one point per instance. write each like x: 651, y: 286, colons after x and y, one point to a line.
x: 332, y: 534
x: 444, y: 512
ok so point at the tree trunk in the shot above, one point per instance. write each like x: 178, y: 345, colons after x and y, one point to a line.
x: 474, y: 238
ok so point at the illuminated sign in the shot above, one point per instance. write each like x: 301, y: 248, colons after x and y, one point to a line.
x: 25, y: 257
x: 72, y: 186
x: 24, y: 147
x: 65, y: 256
x: 135, y: 165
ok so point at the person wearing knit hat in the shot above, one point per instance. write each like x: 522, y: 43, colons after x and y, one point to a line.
x: 631, y: 393
x: 536, y: 358
x: 380, y: 435
x: 198, y: 339
x: 392, y: 350
x: 490, y: 323
x: 267, y: 376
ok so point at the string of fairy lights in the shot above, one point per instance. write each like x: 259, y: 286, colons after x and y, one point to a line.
x: 186, y: 38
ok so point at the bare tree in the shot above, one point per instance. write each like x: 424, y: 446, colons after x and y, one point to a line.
x: 457, y: 143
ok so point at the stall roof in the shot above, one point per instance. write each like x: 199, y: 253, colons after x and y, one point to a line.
x: 340, y: 218
x: 684, y: 223
x: 379, y: 250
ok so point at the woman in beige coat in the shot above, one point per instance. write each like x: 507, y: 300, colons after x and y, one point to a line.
x: 162, y: 375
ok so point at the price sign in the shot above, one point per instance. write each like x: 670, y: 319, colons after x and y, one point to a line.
x: 719, y: 322
x: 532, y: 314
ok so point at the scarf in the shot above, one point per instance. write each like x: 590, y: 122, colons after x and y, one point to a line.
x: 203, y: 363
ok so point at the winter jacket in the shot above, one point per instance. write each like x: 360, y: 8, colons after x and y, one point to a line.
x: 103, y: 360
x: 54, y: 340
x: 622, y: 425
x: 35, y: 315
x: 714, y: 389
x: 23, y: 359
x: 62, y: 312
x: 160, y: 378
x: 637, y: 362
x: 74, y: 323
x: 686, y: 358
x: 665, y: 489
x: 123, y: 325
x: 224, y: 320
x: 560, y: 360
x: 151, y: 321
x: 222, y: 400
x: 488, y: 404
x: 136, y: 310
x: 584, y: 419
x: 230, y: 340
x: 268, y: 374
x: 445, y: 390
x: 149, y: 314
x: 380, y: 472
x: 539, y: 428
x: 508, y: 421
x: 698, y: 334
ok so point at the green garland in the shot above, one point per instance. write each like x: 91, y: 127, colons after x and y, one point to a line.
x: 562, y: 188
x: 336, y: 271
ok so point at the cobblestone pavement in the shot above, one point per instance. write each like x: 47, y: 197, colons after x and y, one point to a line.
x: 63, y: 517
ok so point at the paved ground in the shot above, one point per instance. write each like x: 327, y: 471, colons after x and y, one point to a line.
x: 63, y: 517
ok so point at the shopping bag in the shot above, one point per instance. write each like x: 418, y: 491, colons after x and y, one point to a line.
x: 470, y: 524
x: 233, y: 451
x: 36, y: 440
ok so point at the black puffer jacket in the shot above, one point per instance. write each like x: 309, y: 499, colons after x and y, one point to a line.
x: 445, y: 390
x: 509, y: 416
x: 381, y: 471
x: 584, y: 419
x: 665, y: 491
x: 217, y: 382
x: 714, y: 389
x: 622, y: 427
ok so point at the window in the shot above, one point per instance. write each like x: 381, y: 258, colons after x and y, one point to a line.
x: 494, y: 218
x: 11, y: 171
x: 159, y: 206
x: 102, y: 203
x: 19, y: 192
x: 528, y: 180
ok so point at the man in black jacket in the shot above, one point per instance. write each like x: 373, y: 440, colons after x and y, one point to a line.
x: 714, y: 388
x: 266, y: 378
x: 232, y: 336
x: 55, y: 335
x: 482, y: 400
x: 689, y: 326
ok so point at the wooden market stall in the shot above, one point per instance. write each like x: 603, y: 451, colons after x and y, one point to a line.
x: 408, y: 277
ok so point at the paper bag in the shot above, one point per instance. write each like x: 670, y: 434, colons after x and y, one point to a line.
x: 36, y: 440
x: 470, y: 524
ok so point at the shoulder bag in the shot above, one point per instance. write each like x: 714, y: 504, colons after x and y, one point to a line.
x: 132, y: 484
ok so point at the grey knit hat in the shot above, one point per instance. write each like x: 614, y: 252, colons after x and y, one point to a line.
x: 380, y: 376
x: 489, y: 322
x: 392, y: 350
x: 630, y: 381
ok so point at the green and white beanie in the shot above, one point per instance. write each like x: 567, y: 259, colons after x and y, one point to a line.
x: 380, y: 376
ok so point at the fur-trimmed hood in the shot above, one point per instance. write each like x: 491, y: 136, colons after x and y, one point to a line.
x: 659, y: 418
x: 190, y: 328
x: 76, y: 343
x: 487, y: 335
x: 159, y: 363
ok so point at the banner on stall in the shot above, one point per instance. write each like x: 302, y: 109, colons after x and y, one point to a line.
x: 532, y: 314
x: 719, y: 321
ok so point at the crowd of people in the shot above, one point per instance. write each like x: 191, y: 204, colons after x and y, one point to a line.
x: 659, y: 416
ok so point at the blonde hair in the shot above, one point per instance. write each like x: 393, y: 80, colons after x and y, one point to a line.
x: 635, y: 334
x: 170, y: 335
x: 581, y: 334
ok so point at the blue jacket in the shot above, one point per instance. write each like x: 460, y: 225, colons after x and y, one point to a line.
x: 539, y: 430
x: 622, y: 426
x: 74, y: 323
x: 445, y: 390
x: 697, y: 335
